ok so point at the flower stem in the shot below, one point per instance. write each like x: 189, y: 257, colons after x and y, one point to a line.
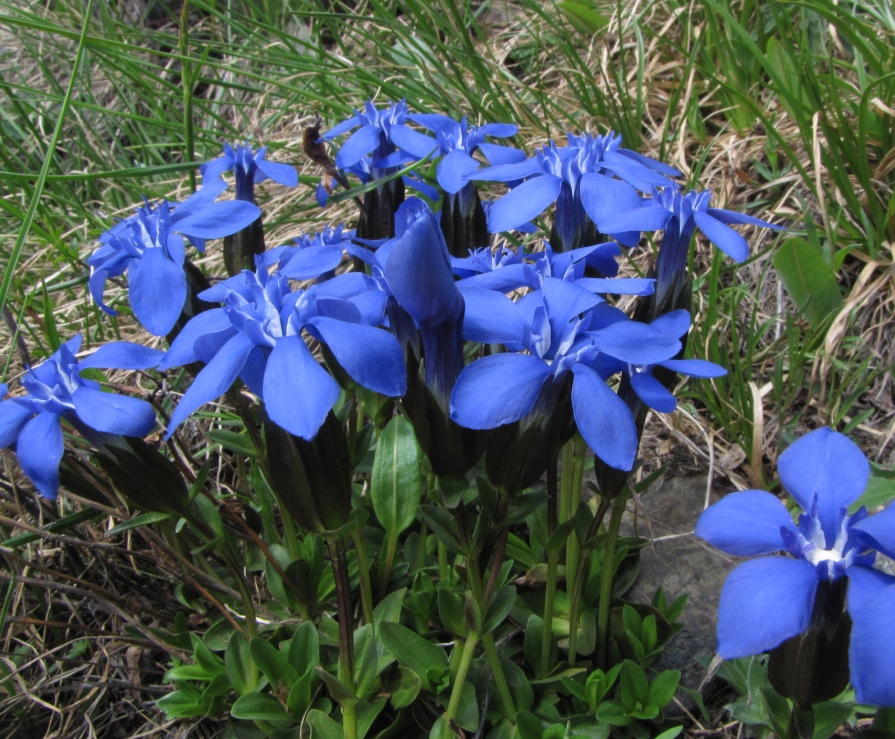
x: 553, y: 504
x: 618, y: 509
x: 366, y: 587
x: 346, y: 633
x: 457, y: 688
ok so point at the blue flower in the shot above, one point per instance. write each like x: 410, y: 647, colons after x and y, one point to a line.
x: 581, y: 178
x: 372, y: 137
x: 256, y: 336
x: 149, y: 246
x: 679, y: 215
x: 769, y: 600
x: 250, y: 169
x: 56, y: 390
x: 562, y: 328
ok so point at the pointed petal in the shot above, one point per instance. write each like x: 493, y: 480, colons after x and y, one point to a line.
x: 123, y: 355
x: 497, y: 154
x: 219, y: 219
x: 653, y: 164
x: 643, y: 178
x: 828, y: 465
x: 523, y: 202
x: 725, y: 238
x: 873, y: 630
x: 208, y: 322
x: 298, y: 392
x: 618, y: 286
x: 113, y: 413
x: 453, y: 168
x: 422, y: 187
x: 763, y: 603
x: 157, y: 291
x: 502, y: 280
x: 603, y: 419
x: 745, y: 524
x: 652, y: 392
x: 878, y: 531
x: 497, y: 389
x: 491, y: 317
x: 357, y: 146
x: 731, y: 217
x: 341, y: 128
x: 499, y: 130
x: 13, y: 418
x: 312, y: 261
x: 645, y: 218
x: 213, y: 381
x: 509, y: 172
x: 434, y: 121
x: 413, y: 142
x: 695, y: 367
x: 40, y: 450
x: 636, y: 342
x: 676, y: 323
x: 604, y: 196
x: 97, y: 285
x: 371, y: 356
x: 284, y: 174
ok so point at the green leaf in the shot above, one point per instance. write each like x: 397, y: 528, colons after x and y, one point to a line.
x: 443, y: 525
x: 233, y: 442
x: 520, y: 688
x: 338, y: 691
x: 794, y: 94
x: 528, y: 725
x: 879, y: 492
x: 396, y: 483
x: 239, y: 666
x: 584, y: 16
x: 808, y: 279
x: 468, y: 710
x: 599, y: 684
x: 389, y: 608
x: 414, y: 652
x: 144, y: 519
x: 450, y: 610
x: 56, y: 527
x: 301, y: 695
x: 535, y: 633
x: 614, y: 713
x: 304, y: 649
x: 259, y: 707
x: 634, y: 685
x: 273, y: 663
x: 323, y: 727
x: 404, y: 688
x: 501, y: 604
x: 367, y: 711
x: 663, y: 688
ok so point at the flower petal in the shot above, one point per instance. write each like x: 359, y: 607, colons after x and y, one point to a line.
x: 746, y: 523
x: 507, y: 172
x: 497, y: 389
x: 491, y: 317
x: 113, y: 413
x: 732, y: 217
x: 219, y: 219
x: 878, y: 531
x: 763, y: 603
x: 618, y: 285
x: 357, y: 146
x: 371, y: 356
x: 214, y: 379
x: 652, y: 392
x: 604, y: 196
x: 695, y: 367
x: 453, y: 168
x: 498, y: 154
x: 828, y: 465
x: 182, y: 349
x: 523, y: 202
x: 13, y: 417
x: 123, y: 355
x: 635, y: 342
x: 724, y: 237
x: 312, y: 261
x: 603, y: 419
x: 284, y: 174
x: 645, y: 218
x: 413, y: 142
x: 873, y: 629
x: 157, y: 291
x: 298, y: 392
x: 40, y: 450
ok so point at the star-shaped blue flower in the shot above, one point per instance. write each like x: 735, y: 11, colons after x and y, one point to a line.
x: 768, y: 600
x: 56, y: 390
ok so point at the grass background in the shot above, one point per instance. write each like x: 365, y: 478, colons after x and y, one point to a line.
x: 785, y: 110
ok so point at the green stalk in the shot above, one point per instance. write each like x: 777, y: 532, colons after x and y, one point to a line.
x: 578, y: 584
x: 16, y: 252
x: 186, y: 82
x: 472, y: 641
x: 573, y: 471
x: 500, y: 679
x: 618, y: 509
x: 386, y: 573
x: 346, y: 633
x: 366, y: 587
x: 553, y: 503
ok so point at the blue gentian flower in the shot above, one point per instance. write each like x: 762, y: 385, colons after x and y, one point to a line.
x: 256, y: 336
x: 581, y: 179
x: 373, y: 136
x: 149, y: 246
x: 56, y: 390
x: 679, y: 215
x: 563, y: 328
x: 766, y: 601
x: 250, y: 168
